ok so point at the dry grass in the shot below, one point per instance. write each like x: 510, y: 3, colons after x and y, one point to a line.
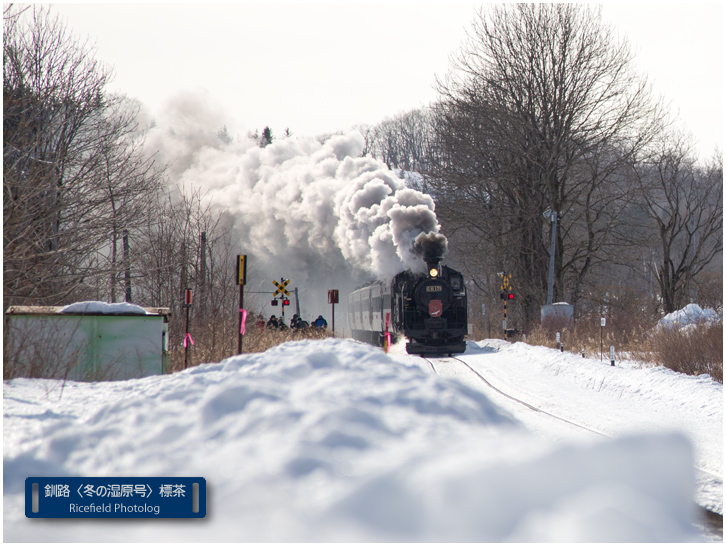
x: 696, y: 350
x: 588, y: 336
x: 254, y: 341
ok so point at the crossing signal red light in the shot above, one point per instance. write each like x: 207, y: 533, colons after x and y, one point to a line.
x: 511, y: 296
x: 285, y: 302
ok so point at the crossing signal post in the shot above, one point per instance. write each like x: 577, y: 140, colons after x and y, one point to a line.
x: 283, y: 293
x: 507, y: 295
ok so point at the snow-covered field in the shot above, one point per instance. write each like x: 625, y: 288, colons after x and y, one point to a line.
x: 335, y: 441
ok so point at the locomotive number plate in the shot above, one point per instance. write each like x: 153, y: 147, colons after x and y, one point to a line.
x: 434, y: 288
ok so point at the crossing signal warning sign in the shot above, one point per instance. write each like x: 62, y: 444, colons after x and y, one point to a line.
x: 281, y: 287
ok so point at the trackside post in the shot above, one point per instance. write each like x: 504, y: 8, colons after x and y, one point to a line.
x: 241, y: 280
x: 187, y: 335
x: 332, y: 300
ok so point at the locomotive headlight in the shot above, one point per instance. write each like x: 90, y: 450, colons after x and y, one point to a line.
x: 434, y: 272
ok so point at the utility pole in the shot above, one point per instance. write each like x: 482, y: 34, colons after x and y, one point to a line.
x: 127, y: 266
x: 202, y: 274
x: 552, y: 215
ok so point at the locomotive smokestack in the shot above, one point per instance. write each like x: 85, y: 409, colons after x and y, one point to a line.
x: 432, y: 247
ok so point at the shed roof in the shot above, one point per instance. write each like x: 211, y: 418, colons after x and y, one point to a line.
x: 56, y: 310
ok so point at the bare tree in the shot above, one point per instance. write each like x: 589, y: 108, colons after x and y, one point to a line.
x: 682, y: 212
x: 403, y: 141
x: 186, y: 244
x: 541, y: 110
x: 73, y: 174
x: 130, y: 180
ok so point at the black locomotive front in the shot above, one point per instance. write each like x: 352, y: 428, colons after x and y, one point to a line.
x: 431, y: 310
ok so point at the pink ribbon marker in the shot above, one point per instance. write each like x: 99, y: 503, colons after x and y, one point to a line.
x: 190, y: 339
x: 244, y: 319
x: 388, y: 334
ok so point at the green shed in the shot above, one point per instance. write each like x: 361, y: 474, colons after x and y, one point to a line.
x: 86, y: 341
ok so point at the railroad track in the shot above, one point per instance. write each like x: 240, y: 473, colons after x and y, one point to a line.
x: 528, y: 405
x: 712, y: 520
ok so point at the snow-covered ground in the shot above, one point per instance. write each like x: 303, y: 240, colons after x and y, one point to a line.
x: 604, y: 400
x: 335, y: 441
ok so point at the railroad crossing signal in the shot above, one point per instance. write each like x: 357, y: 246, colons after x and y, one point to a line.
x: 506, y: 295
x: 506, y: 288
x: 281, y: 287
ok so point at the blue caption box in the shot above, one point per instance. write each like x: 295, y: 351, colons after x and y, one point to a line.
x: 115, y: 497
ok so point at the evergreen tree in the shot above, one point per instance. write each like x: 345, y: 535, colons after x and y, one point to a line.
x: 266, y: 137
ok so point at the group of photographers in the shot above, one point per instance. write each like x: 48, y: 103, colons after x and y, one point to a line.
x: 297, y: 323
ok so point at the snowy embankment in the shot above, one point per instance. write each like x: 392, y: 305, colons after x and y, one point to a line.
x: 689, y: 315
x: 335, y: 441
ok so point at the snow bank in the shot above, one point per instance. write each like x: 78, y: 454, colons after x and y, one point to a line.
x: 102, y: 308
x: 335, y: 441
x: 690, y: 314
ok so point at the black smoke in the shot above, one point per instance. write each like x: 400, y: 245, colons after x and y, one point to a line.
x: 430, y: 246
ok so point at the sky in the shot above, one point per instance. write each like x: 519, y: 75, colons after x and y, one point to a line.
x: 321, y: 68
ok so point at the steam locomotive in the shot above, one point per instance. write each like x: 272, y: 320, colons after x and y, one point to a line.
x: 429, y: 309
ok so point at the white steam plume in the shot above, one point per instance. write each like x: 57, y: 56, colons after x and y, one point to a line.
x: 322, y: 210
